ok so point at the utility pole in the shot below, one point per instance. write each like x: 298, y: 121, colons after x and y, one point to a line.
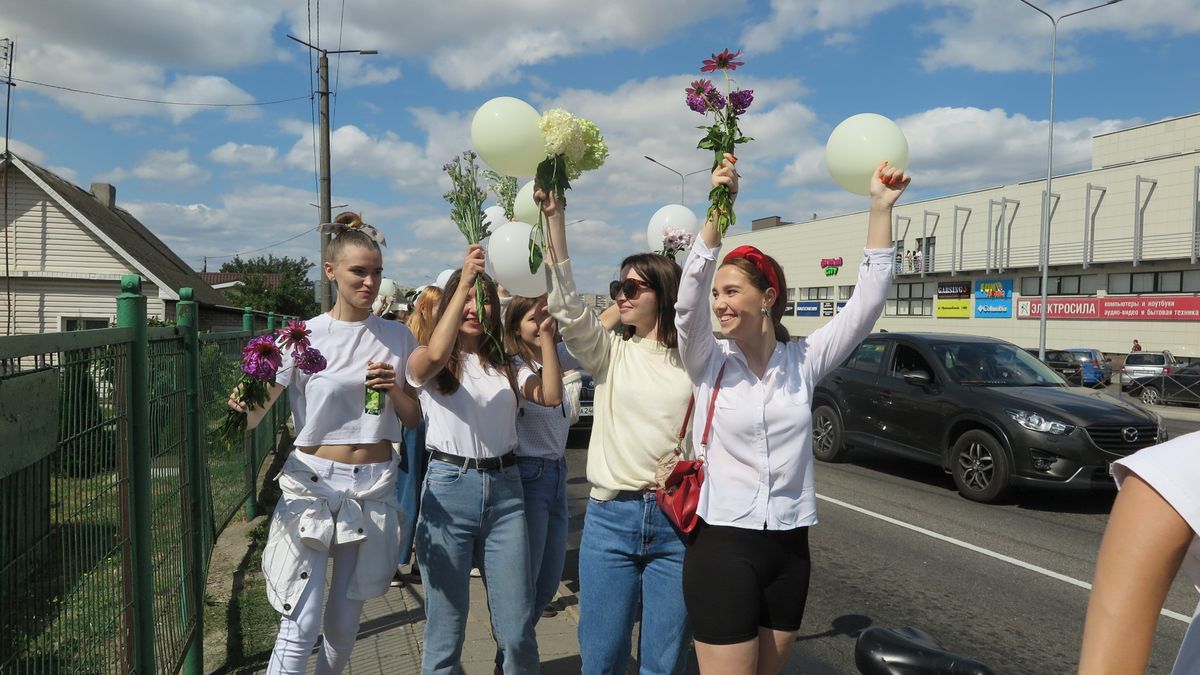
x: 7, y: 47
x: 324, y: 181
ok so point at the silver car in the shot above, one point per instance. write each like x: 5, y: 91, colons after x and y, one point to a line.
x: 1141, y: 365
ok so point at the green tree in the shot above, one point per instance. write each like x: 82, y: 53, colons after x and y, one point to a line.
x: 295, y: 294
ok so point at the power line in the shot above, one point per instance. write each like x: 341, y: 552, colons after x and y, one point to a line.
x: 150, y: 100
x: 337, y: 71
x: 303, y: 232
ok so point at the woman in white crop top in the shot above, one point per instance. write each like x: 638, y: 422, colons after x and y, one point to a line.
x: 472, y: 508
x: 745, y: 576
x: 338, y: 485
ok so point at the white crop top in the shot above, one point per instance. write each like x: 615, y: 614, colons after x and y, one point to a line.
x: 328, y: 406
x: 479, y: 419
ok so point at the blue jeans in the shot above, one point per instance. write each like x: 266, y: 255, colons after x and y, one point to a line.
x: 631, y: 552
x: 545, y: 484
x: 410, y: 478
x: 469, y: 515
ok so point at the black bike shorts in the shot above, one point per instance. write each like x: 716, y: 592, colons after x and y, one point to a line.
x: 737, y: 580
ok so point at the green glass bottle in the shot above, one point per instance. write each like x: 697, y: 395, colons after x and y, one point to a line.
x: 374, y: 400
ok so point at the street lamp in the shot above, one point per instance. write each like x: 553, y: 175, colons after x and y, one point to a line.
x: 323, y: 94
x: 682, y: 176
x: 1044, y: 254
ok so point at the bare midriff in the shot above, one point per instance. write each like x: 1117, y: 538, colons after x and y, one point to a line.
x: 370, y: 453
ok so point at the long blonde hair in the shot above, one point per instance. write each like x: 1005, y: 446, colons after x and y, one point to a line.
x: 422, y: 320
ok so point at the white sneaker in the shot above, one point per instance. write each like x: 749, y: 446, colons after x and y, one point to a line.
x: 476, y: 573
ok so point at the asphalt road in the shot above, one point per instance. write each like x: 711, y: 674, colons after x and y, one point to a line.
x: 1013, y: 613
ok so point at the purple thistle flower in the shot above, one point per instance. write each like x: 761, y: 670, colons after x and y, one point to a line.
x: 697, y: 103
x: 309, y: 360
x: 715, y: 99
x: 261, y: 358
x: 699, y: 87
x: 294, y: 335
x: 740, y: 100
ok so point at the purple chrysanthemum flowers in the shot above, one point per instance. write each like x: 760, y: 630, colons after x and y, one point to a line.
x: 309, y: 360
x: 740, y: 100
x: 261, y: 358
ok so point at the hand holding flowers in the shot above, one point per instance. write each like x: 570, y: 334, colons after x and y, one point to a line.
x: 723, y: 136
x: 262, y: 358
x: 573, y: 145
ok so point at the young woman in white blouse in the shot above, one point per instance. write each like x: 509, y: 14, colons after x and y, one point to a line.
x: 746, y: 572
x: 338, y: 484
x: 631, y: 557
x: 473, y: 508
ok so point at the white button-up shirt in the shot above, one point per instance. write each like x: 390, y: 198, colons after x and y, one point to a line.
x: 759, y: 458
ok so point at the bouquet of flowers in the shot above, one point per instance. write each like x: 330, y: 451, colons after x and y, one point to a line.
x: 675, y: 241
x: 466, y: 210
x: 262, y: 358
x: 573, y: 145
x: 505, y: 189
x: 723, y: 135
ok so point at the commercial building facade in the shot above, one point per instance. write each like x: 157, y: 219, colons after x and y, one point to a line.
x: 1123, y: 262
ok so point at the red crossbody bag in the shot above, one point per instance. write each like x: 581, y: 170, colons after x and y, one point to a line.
x: 679, y: 480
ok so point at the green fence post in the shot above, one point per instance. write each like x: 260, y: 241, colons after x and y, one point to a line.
x: 271, y: 321
x: 248, y: 437
x: 131, y: 313
x: 186, y: 319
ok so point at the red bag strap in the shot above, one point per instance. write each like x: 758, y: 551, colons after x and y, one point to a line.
x: 712, y: 400
x: 687, y: 416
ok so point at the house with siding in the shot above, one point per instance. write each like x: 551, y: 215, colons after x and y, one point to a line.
x: 65, y: 250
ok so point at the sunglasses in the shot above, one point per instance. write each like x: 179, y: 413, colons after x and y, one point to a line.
x: 629, y: 287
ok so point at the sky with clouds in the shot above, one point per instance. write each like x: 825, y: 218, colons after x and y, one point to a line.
x: 967, y: 80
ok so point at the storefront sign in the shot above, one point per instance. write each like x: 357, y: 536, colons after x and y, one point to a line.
x: 1149, y: 308
x: 993, y: 299
x: 953, y: 300
x: 831, y: 266
x: 826, y: 309
x: 808, y: 308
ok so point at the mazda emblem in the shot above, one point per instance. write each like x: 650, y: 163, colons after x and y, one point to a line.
x: 1130, y: 434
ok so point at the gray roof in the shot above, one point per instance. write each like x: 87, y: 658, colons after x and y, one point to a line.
x: 131, y: 235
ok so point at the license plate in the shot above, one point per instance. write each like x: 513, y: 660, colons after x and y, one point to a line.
x: 585, y: 411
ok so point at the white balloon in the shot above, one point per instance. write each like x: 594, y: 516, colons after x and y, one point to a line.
x: 493, y: 217
x: 858, y: 145
x: 671, y: 216
x: 387, y: 287
x: 525, y: 210
x: 508, y: 255
x: 443, y: 278
x: 505, y: 132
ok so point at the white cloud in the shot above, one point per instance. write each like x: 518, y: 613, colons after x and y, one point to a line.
x: 169, y: 166
x: 793, y: 18
x: 246, y: 157
x: 476, y: 43
x: 24, y: 150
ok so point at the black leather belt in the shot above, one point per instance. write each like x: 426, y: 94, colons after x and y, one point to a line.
x: 483, y: 464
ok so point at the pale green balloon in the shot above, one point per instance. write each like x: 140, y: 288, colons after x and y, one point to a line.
x: 858, y: 145
x: 525, y: 210
x: 506, y: 135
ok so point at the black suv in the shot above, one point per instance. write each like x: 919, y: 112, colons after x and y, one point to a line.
x: 981, y: 408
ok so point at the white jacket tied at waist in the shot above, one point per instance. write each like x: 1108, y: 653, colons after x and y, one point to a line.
x: 303, y: 528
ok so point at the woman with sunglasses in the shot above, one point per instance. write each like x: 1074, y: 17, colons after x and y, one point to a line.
x: 630, y: 553
x: 745, y: 576
x: 473, y: 508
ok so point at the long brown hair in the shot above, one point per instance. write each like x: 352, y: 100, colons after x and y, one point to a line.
x: 490, y: 354
x: 662, y: 274
x: 423, y: 319
x: 759, y: 281
x: 518, y: 307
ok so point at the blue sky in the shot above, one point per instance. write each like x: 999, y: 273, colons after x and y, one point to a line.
x: 967, y: 80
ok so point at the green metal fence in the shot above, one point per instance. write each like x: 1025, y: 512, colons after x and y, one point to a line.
x: 113, y: 490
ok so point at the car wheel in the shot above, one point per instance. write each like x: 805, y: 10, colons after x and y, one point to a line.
x: 828, y: 445
x: 1150, y: 396
x: 980, y: 468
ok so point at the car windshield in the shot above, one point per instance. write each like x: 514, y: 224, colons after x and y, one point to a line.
x: 1082, y: 357
x: 995, y: 364
x: 1145, y: 360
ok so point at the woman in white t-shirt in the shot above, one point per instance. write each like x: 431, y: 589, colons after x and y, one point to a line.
x: 1151, y: 535
x: 472, y: 508
x: 338, y: 484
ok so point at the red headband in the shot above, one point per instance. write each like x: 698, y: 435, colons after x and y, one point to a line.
x: 760, y: 261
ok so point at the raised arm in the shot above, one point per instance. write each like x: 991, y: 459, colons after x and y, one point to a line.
x: 692, y: 315
x: 425, y: 363
x: 1144, y: 545
x: 546, y: 389
x: 833, y: 342
x: 583, y: 332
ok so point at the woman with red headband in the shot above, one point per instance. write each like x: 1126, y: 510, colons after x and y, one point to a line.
x: 746, y: 570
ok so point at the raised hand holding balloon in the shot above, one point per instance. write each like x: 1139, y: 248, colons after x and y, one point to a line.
x: 723, y: 136
x: 859, y: 145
